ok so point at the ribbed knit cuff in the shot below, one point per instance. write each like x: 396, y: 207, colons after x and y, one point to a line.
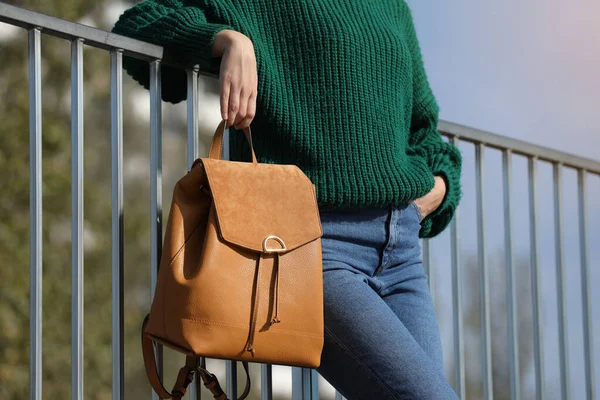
x: 448, y: 166
x: 186, y: 37
x: 193, y: 40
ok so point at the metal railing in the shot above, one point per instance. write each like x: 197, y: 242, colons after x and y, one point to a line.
x: 304, y: 380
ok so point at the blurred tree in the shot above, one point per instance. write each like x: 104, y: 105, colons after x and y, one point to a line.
x: 14, y: 225
x: 499, y: 327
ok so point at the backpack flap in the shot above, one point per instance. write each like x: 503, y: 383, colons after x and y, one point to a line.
x: 263, y: 207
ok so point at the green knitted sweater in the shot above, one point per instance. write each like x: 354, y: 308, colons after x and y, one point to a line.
x: 342, y: 92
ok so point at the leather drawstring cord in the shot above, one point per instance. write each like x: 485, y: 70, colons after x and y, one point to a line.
x: 276, y: 319
x: 256, y: 299
x: 253, y: 317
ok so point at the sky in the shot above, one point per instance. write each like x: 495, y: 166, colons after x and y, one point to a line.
x: 522, y: 68
x: 526, y: 69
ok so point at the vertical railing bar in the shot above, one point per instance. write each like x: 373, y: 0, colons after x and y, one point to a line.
x: 560, y: 281
x: 77, y: 219
x: 511, y: 293
x: 192, y: 154
x: 586, y: 287
x: 230, y: 365
x: 428, y: 267
x: 35, y: 214
x: 304, y: 384
x: 459, y: 346
x: 192, y: 115
x: 311, y: 384
x: 155, y: 185
x: 536, y: 294
x: 231, y: 379
x: 486, y: 350
x: 297, y: 383
x: 266, y: 382
x: 226, y: 136
x: 116, y: 112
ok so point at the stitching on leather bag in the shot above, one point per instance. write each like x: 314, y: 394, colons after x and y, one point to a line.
x: 164, y: 295
x: 183, y: 245
x: 302, y: 241
x: 286, y: 332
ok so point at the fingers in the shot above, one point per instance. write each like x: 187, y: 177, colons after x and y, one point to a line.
x: 250, y: 112
x: 230, y: 100
x: 237, y: 107
x: 241, y: 114
x: 225, y: 91
x: 238, y: 81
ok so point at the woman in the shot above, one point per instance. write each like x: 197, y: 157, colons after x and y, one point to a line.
x: 339, y: 89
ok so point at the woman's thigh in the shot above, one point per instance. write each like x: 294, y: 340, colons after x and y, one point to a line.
x: 410, y: 300
x: 369, y: 353
x: 404, y: 287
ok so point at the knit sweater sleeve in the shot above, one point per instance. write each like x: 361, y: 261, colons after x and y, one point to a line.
x: 443, y: 159
x: 184, y: 32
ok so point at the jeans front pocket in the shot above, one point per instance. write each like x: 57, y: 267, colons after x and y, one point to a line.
x: 415, y: 208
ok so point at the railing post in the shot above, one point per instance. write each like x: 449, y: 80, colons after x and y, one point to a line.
x: 192, y: 115
x: 192, y: 154
x: 459, y: 345
x: 266, y: 382
x: 77, y: 219
x: 511, y: 293
x: 155, y: 186
x: 305, y: 384
x: 536, y: 293
x: 484, y: 295
x: 116, y: 112
x: 231, y: 379
x: 35, y: 215
x: 427, y: 266
x: 586, y: 287
x: 560, y: 281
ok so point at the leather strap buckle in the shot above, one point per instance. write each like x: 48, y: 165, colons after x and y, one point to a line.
x: 273, y: 250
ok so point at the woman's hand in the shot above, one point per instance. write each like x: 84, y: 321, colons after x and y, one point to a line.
x: 238, y: 79
x: 432, y: 200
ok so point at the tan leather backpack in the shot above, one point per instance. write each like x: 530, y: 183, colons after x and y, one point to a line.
x: 240, y: 276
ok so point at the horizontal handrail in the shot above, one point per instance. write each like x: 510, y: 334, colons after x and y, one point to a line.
x: 136, y: 48
x: 519, y: 147
x: 71, y: 31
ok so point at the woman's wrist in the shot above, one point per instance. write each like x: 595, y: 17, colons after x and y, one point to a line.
x: 432, y: 200
x: 225, y: 39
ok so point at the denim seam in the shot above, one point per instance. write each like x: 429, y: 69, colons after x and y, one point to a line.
x: 360, y: 363
x: 390, y: 244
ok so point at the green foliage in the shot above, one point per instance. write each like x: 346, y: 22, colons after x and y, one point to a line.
x: 14, y: 224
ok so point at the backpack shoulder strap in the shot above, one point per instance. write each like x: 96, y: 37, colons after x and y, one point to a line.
x: 186, y: 374
x: 184, y: 378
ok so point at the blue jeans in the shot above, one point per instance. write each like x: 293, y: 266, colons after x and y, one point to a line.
x: 382, y: 339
